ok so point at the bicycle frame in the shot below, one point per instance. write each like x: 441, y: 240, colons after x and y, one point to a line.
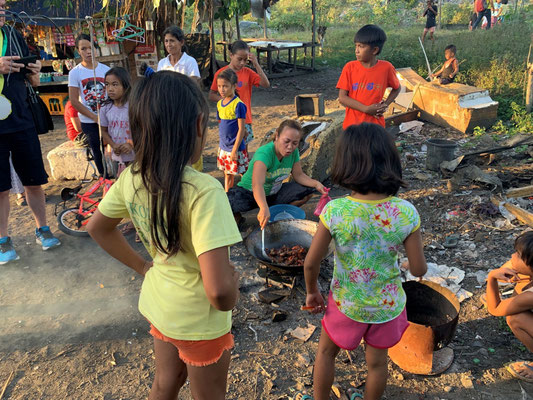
x: 87, y: 204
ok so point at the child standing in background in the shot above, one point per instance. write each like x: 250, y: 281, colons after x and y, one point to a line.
x: 231, y: 112
x: 185, y: 222
x: 431, y: 14
x: 114, y: 117
x: 366, y: 298
x: 246, y: 79
x: 87, y: 93
x: 363, y: 82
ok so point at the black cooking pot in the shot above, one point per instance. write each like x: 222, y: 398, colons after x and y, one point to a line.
x: 290, y: 232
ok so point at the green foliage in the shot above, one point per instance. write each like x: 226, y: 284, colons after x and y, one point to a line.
x: 59, y: 4
x: 231, y: 7
x: 522, y: 120
x: 456, y: 13
x: 479, y: 131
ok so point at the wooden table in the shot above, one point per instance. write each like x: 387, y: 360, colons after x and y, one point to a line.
x: 277, y: 46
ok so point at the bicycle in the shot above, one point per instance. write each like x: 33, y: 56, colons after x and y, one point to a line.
x: 73, y: 221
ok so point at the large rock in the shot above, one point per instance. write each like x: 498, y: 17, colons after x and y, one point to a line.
x: 68, y: 162
x: 317, y: 148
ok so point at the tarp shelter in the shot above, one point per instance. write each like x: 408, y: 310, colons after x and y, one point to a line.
x: 37, y: 7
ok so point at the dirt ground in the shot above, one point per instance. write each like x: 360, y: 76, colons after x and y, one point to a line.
x: 70, y: 329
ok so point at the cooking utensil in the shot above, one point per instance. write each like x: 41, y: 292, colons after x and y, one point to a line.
x: 288, y: 232
x: 263, y: 245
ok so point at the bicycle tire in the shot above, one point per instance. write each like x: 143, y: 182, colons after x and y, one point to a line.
x: 67, y: 225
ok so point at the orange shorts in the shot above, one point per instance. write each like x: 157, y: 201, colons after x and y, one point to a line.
x: 198, y: 353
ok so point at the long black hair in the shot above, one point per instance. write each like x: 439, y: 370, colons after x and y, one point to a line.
x: 366, y: 160
x: 165, y: 137
x: 124, y: 78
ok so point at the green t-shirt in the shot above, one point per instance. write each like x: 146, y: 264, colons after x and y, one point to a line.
x: 277, y: 171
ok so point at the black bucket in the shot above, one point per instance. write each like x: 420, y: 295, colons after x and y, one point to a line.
x: 439, y: 150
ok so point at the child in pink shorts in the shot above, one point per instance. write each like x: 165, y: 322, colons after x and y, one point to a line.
x: 366, y: 298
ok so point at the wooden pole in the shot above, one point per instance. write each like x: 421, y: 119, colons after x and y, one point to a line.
x: 529, y: 87
x: 212, y: 35
x: 439, y: 11
x: 265, y: 34
x: 313, y: 27
x: 529, y: 91
x: 237, y: 26
x: 183, y: 10
x: 224, y: 37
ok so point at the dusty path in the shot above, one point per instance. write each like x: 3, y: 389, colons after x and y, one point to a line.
x: 70, y: 329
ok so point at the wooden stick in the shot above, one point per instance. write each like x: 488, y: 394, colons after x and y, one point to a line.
x: 6, y: 384
x: 522, y: 215
x: 525, y: 191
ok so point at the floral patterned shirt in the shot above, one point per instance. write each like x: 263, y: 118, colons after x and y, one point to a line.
x: 366, y: 283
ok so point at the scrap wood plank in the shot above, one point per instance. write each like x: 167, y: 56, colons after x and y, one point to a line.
x: 525, y: 191
x: 522, y: 215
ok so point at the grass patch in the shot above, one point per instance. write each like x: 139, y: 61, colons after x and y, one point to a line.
x: 493, y: 59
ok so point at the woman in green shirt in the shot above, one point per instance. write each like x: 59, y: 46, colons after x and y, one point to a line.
x: 262, y: 184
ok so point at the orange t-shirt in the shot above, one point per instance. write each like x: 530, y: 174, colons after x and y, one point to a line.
x: 367, y: 86
x: 246, y: 78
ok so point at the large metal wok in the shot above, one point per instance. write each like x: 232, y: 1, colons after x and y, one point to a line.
x: 288, y: 232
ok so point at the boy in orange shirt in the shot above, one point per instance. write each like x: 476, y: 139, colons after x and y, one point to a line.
x: 363, y: 82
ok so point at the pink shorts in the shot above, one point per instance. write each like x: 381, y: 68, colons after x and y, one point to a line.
x: 347, y: 333
x: 432, y: 29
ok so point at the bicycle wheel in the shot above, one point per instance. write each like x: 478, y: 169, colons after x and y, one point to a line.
x: 70, y: 221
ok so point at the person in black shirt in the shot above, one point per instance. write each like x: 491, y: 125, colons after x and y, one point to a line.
x: 430, y: 13
x: 19, y: 137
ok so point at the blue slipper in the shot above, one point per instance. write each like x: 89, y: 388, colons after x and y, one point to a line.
x: 354, y: 394
x: 302, y: 396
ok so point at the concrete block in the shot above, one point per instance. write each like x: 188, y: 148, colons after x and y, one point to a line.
x: 309, y: 104
x: 68, y: 162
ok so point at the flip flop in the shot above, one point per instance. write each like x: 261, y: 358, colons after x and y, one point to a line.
x: 451, y: 241
x: 354, y: 394
x: 302, y: 396
x: 483, y: 299
x: 512, y: 368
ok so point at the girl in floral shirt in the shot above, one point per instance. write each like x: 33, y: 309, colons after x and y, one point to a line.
x: 369, y: 227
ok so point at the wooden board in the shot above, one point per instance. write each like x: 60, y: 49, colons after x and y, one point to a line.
x: 522, y: 215
x: 525, y: 191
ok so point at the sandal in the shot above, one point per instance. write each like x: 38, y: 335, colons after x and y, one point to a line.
x: 302, y: 396
x: 451, y: 241
x: 517, y: 367
x: 21, y: 201
x: 354, y: 394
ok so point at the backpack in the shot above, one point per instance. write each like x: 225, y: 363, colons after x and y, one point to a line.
x: 480, y: 5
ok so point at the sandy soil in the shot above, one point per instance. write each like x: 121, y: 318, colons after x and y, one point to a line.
x: 70, y: 329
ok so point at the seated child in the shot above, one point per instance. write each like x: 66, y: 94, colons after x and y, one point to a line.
x: 517, y: 309
x: 450, y: 69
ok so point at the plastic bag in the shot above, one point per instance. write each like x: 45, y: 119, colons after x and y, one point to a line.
x: 324, y: 199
